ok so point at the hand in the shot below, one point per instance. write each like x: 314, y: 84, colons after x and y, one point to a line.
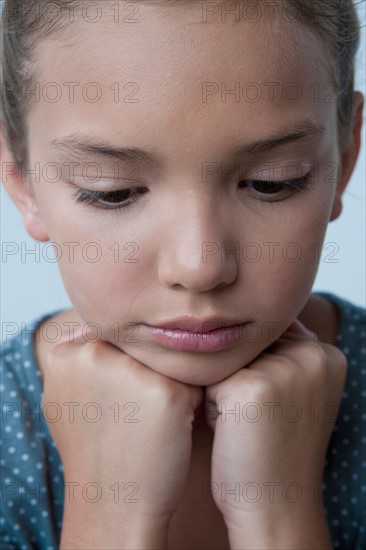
x: 145, y: 448
x: 272, y: 450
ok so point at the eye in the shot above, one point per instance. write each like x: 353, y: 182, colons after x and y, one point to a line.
x: 112, y: 200
x: 125, y: 198
x: 277, y: 189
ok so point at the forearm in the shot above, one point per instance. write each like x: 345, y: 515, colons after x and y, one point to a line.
x: 110, y: 525
x: 81, y: 534
x: 119, y: 539
x: 283, y: 531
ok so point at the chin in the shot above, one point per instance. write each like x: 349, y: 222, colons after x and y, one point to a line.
x: 196, y: 379
x: 195, y: 374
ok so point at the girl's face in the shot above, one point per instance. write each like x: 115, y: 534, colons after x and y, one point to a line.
x: 200, y: 237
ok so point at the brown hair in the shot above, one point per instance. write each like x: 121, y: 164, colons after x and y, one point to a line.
x: 335, y: 22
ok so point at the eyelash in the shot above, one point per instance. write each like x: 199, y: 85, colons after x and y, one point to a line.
x: 95, y: 197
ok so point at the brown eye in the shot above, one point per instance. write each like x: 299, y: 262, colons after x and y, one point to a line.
x: 263, y: 188
x: 268, y: 187
x: 112, y: 200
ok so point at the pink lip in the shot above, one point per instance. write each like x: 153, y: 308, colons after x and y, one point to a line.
x: 185, y: 340
x: 193, y: 324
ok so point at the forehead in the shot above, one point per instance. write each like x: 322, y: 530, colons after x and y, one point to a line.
x: 171, y: 69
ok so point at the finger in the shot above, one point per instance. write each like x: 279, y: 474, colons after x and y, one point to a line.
x: 298, y: 329
x: 210, y: 413
x: 71, y: 335
x: 80, y: 335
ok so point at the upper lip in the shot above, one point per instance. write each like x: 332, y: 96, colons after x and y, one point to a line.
x: 192, y: 324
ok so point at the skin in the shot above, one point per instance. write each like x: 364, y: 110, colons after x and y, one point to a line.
x: 180, y: 212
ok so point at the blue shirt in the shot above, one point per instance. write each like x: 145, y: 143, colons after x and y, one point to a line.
x: 32, y: 473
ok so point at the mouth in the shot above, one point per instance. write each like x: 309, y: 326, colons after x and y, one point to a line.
x: 195, y: 325
x: 198, y: 341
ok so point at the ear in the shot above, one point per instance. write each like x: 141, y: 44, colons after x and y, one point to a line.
x: 21, y: 192
x: 349, y: 157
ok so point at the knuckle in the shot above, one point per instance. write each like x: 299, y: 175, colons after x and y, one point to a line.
x: 258, y: 388
x: 337, y: 358
x: 166, y: 394
x: 314, y: 355
x: 93, y: 352
x: 57, y: 353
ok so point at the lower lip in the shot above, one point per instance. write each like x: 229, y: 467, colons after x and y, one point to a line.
x: 184, y: 340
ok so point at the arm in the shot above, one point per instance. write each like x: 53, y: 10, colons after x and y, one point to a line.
x: 279, y: 446
x: 111, y: 455
x: 303, y: 529
x: 89, y: 526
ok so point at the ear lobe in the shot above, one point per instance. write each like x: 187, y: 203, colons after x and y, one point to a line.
x: 34, y: 226
x: 22, y: 195
x: 337, y: 207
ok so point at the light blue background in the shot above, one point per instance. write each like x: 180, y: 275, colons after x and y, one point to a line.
x: 32, y: 288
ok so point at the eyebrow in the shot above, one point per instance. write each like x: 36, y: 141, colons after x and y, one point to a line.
x: 75, y: 144
x: 301, y: 130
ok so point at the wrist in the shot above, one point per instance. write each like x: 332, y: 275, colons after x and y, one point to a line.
x: 123, y: 533
x: 301, y: 529
x: 111, y: 525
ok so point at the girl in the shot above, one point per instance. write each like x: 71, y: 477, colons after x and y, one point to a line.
x: 185, y: 159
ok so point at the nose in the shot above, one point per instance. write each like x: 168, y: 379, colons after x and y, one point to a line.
x: 198, y: 250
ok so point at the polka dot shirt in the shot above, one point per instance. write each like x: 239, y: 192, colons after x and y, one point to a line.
x: 32, y: 491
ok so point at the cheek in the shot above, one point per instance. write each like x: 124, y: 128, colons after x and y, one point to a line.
x: 104, y: 278
x: 103, y: 269
x: 289, y: 253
